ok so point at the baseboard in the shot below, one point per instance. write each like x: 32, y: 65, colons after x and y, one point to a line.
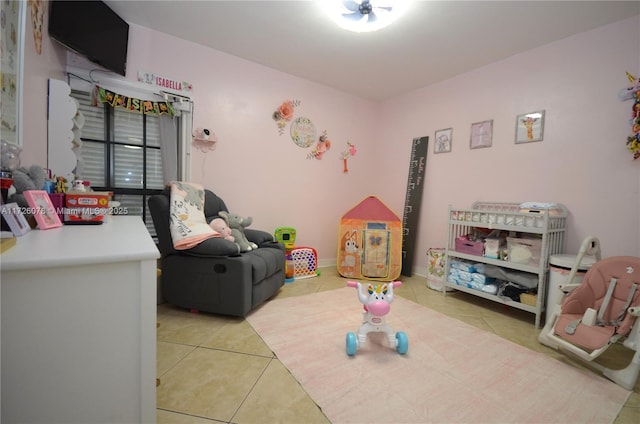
x: 417, y: 271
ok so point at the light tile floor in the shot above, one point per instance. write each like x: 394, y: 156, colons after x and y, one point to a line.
x: 216, y: 369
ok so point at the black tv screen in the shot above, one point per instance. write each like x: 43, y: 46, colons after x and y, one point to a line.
x: 91, y: 29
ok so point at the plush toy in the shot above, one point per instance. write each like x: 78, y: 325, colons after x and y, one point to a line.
x: 9, y: 156
x: 237, y: 224
x: 27, y: 179
x: 220, y: 226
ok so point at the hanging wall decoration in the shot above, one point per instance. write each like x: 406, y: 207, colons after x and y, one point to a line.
x: 37, y: 8
x: 633, y: 93
x: 346, y: 154
x: 204, y: 140
x: 321, y: 147
x: 135, y: 105
x: 303, y: 132
x: 284, y: 114
x: 165, y: 83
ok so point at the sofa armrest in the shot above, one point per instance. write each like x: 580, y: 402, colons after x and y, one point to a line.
x: 258, y: 236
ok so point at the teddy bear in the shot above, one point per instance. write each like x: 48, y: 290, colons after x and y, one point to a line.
x: 219, y: 225
x: 237, y: 224
x: 25, y: 179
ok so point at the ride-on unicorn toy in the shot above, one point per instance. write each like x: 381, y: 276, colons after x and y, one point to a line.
x: 377, y: 303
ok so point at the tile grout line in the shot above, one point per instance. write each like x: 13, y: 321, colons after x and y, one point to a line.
x: 244, y: 399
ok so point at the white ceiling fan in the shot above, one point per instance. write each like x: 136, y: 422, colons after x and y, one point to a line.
x: 364, y: 15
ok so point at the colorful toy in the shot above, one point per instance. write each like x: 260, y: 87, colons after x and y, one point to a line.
x: 289, y: 267
x: 305, y: 262
x: 286, y: 236
x: 377, y: 303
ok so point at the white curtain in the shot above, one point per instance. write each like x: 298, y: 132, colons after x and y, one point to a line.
x: 175, y: 155
x: 169, y: 147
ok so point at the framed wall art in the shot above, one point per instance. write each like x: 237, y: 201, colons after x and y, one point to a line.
x: 529, y: 127
x: 15, y: 220
x: 12, y: 46
x: 481, y: 134
x: 43, y: 210
x: 443, y: 139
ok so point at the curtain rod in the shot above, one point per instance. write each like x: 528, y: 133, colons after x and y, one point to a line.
x: 71, y: 74
x: 178, y: 96
x: 133, y: 85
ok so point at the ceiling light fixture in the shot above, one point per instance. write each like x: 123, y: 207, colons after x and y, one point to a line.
x: 364, y: 15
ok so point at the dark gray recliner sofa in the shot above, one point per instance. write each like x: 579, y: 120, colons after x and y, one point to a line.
x: 213, y: 276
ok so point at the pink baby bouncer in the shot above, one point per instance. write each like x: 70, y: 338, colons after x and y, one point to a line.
x: 599, y: 312
x: 377, y: 303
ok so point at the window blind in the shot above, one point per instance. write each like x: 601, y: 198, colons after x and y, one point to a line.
x: 121, y: 153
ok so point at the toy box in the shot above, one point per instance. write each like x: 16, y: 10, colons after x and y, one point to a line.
x: 86, y: 207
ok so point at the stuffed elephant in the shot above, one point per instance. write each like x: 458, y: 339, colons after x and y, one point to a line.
x: 237, y: 224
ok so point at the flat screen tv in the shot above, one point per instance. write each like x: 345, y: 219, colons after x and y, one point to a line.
x: 91, y: 29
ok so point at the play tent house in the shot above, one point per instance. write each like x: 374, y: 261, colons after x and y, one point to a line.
x: 370, y: 242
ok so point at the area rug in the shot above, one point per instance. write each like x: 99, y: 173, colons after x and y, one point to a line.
x: 452, y: 373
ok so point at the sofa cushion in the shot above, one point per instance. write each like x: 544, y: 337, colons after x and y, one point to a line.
x: 265, y: 262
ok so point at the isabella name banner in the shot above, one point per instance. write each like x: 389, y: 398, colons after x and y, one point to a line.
x: 130, y: 103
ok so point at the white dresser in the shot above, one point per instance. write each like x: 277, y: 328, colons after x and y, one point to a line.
x: 78, y: 319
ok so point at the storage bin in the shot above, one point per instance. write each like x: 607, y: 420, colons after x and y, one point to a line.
x: 435, y: 269
x: 493, y: 248
x: 524, y: 250
x: 529, y: 299
x: 464, y: 245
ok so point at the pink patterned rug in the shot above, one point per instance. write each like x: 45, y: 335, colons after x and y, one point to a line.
x: 452, y: 373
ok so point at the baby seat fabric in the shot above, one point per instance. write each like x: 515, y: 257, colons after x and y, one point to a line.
x: 370, y: 242
x: 610, y: 287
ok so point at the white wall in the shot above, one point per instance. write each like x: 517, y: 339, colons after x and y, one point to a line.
x: 582, y: 161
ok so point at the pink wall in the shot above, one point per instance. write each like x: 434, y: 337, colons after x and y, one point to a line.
x: 581, y: 162
x: 254, y: 169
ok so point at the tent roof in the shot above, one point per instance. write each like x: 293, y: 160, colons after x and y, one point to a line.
x: 371, y: 208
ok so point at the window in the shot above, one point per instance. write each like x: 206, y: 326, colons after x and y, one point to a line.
x: 121, y: 154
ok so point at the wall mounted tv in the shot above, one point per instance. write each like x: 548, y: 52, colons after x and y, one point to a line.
x: 91, y: 29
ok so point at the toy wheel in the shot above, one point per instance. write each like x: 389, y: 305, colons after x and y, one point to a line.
x: 403, y: 342
x: 352, y: 344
